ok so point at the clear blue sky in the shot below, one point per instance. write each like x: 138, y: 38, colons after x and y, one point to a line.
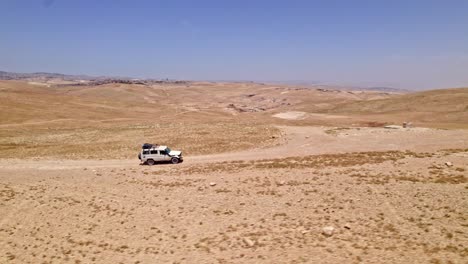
x: 408, y: 44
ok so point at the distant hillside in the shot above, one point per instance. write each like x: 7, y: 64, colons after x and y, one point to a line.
x: 38, y: 101
x: 43, y: 75
x: 372, y: 89
x: 445, y: 106
x: 386, y: 89
x: 99, y: 80
x: 446, y: 100
x: 59, y: 79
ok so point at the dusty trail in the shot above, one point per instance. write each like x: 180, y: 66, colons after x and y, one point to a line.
x: 300, y: 141
x: 297, y: 141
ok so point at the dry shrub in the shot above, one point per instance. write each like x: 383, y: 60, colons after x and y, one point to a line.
x: 374, y: 124
x: 124, y: 141
x: 313, y: 161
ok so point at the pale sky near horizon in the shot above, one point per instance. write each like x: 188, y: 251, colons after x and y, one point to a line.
x: 405, y: 44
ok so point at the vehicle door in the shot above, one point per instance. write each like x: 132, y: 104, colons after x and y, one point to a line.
x: 155, y: 155
x: 164, y: 156
x: 145, y: 154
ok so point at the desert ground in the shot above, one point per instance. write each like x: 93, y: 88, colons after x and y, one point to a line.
x: 271, y: 174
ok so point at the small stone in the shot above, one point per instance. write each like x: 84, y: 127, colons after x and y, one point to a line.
x: 212, y: 183
x: 282, y: 183
x: 305, y: 232
x: 347, y: 226
x: 449, y: 164
x: 328, y: 231
x: 393, y: 127
x: 407, y: 125
x: 248, y: 242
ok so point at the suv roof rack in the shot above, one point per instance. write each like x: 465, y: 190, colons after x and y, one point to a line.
x: 149, y: 146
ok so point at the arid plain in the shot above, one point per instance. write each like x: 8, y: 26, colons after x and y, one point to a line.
x: 271, y: 174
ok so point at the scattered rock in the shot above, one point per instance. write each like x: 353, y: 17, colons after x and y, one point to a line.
x: 347, y: 226
x: 328, y: 231
x: 248, y: 242
x: 212, y: 183
x: 293, y: 115
x: 449, y: 164
x: 407, y: 125
x: 392, y: 127
x: 281, y: 183
x: 245, y: 108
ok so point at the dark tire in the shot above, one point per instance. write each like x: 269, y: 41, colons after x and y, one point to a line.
x: 175, y: 160
x: 150, y: 162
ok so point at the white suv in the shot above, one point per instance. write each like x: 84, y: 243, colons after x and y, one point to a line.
x: 150, y: 154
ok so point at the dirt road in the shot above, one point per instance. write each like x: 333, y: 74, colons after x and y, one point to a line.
x: 296, y: 141
x: 382, y: 209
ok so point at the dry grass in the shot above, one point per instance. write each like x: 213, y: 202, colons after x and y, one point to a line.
x: 124, y: 141
x: 312, y: 161
x: 335, y: 131
x: 436, y: 108
x: 386, y: 207
x: 128, y: 214
x: 83, y: 122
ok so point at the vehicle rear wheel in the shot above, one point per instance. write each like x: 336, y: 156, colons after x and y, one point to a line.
x: 150, y: 162
x: 175, y: 160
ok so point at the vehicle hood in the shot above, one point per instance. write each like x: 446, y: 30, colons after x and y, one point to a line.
x: 175, y: 153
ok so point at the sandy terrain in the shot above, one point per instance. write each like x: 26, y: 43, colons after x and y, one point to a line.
x: 385, y: 206
x: 291, y: 115
x: 323, y: 187
x: 296, y: 142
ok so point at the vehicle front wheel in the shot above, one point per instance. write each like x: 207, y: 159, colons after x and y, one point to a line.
x: 175, y: 160
x: 150, y: 162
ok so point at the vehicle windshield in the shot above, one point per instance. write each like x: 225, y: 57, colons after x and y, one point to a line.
x: 168, y: 150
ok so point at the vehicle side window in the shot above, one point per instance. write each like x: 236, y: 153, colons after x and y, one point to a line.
x: 154, y: 152
x: 145, y: 152
x: 162, y: 152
